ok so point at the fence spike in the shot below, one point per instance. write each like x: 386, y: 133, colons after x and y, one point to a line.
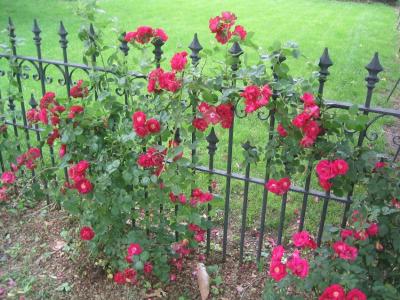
x: 158, y: 43
x: 373, y: 68
x: 124, y: 44
x: 36, y: 31
x: 196, y: 48
x: 63, y: 35
x: 32, y: 101
x: 236, y: 50
x: 324, y: 63
x: 212, y: 140
x: 177, y: 136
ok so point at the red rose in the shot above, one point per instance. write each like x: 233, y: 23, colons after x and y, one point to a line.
x: 345, y: 251
x: 179, y: 61
x: 324, y: 169
x: 8, y: 177
x: 32, y: 115
x: 273, y: 186
x: 147, y: 268
x: 47, y: 99
x: 130, y: 275
x: 298, y: 265
x: 160, y: 33
x: 153, y: 85
x: 34, y: 153
x: 345, y: 233
x: 30, y: 164
x: 87, y: 233
x: 63, y: 150
x: 82, y: 166
x: 277, y: 270
x: 277, y: 253
x: 3, y: 194
x: 77, y: 91
x: 119, y: 278
x: 168, y: 82
x: 356, y: 294
x: 333, y: 292
x: 84, y: 186
x: 311, y: 129
x: 281, y: 130
x: 203, y: 107
x: 240, y: 32
x: 211, y: 116
x: 308, y: 99
x: 153, y: 125
x: 340, y: 167
x: 43, y: 116
x: 300, y: 120
x: 301, y: 239
x: 141, y: 131
x: 55, y: 134
x: 74, y: 110
x: 134, y: 249
x: 306, y: 141
x: 251, y: 93
x: 200, y: 124
x: 373, y: 229
x: 139, y: 118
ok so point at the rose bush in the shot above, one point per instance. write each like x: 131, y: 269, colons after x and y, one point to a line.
x: 129, y: 161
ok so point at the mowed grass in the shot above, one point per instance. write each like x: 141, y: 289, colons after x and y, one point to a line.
x: 351, y: 31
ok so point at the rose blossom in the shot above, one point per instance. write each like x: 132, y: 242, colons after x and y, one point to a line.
x: 356, y: 294
x: 87, y: 233
x: 179, y: 61
x: 8, y: 177
x: 277, y: 270
x: 334, y: 291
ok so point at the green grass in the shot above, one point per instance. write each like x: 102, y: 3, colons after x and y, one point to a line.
x: 351, y: 31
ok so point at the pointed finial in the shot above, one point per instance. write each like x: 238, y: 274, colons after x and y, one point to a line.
x: 11, y: 104
x: 325, y: 61
x: 32, y: 101
x: 235, y: 50
x: 63, y: 35
x: 36, y: 31
x: 158, y: 43
x: 124, y: 44
x: 374, y: 68
x: 177, y: 136
x: 196, y: 48
x: 247, y: 146
x: 212, y: 141
x: 11, y: 31
x: 91, y: 30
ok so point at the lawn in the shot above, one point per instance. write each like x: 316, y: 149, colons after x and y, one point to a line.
x: 351, y: 31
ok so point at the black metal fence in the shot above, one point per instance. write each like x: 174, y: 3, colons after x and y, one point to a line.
x: 66, y: 69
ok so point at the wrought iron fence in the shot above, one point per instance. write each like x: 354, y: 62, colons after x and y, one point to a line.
x: 67, y: 70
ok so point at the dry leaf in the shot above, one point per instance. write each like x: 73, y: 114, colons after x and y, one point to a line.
x: 58, y: 245
x: 158, y: 293
x: 203, y: 280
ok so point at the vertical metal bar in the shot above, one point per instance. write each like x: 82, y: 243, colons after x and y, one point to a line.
x: 324, y: 64
x: 235, y: 51
x: 373, y: 68
x: 11, y: 105
x: 212, y: 148
x: 11, y: 31
x: 246, y: 146
x: 265, y: 191
x: 282, y: 218
x: 92, y: 38
x: 323, y: 217
x: 305, y: 195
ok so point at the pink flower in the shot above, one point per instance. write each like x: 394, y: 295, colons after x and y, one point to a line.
x: 34, y: 153
x: 333, y: 292
x: 281, y: 130
x: 379, y: 165
x: 153, y: 85
x: 8, y: 177
x: 148, y: 268
x: 168, y: 81
x: 277, y: 253
x: 63, y: 150
x: 47, y: 99
x: 77, y: 91
x: 134, y: 249
x: 298, y: 265
x: 211, y: 116
x: 325, y: 170
x: 300, y: 120
x: 3, y: 194
x: 345, y: 233
x: 340, y: 167
x: 311, y: 129
x: 153, y: 125
x: 373, y: 229
x: 277, y: 270
x: 279, y: 187
x: 308, y: 99
x: 345, y: 251
x: 160, y: 33
x: 139, y: 118
x: 356, y: 294
x: 240, y: 32
x: 179, y: 61
x: 74, y: 110
x: 306, y: 141
x: 84, y: 186
x: 200, y: 124
x: 43, y: 116
x: 130, y: 275
x: 120, y: 278
x: 325, y: 184
x: 301, y: 239
x: 87, y: 233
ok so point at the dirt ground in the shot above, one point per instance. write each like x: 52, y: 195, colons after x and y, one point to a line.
x: 42, y: 258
